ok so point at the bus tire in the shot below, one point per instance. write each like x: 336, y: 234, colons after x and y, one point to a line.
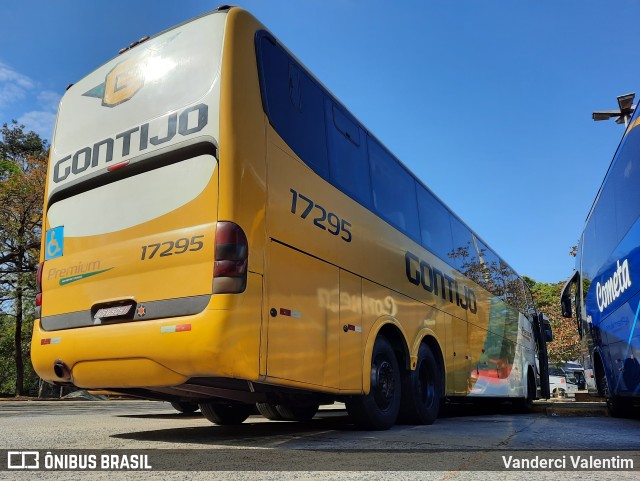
x: 379, y: 409
x: 185, y: 407
x: 601, y: 379
x: 226, y: 414
x: 297, y: 412
x: 421, y: 390
x: 269, y: 411
x: 524, y: 405
x: 619, y: 407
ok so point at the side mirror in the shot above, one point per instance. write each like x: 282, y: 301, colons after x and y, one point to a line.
x: 565, y: 302
x: 565, y: 297
x: 546, y: 328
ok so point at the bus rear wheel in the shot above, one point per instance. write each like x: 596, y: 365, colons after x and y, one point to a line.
x: 620, y: 407
x: 226, y: 414
x: 269, y: 411
x: 297, y: 412
x: 421, y: 390
x: 379, y: 409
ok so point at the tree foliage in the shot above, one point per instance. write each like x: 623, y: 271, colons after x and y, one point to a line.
x: 22, y: 179
x: 565, y: 335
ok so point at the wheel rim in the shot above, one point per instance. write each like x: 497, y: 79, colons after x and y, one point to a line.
x: 383, y: 382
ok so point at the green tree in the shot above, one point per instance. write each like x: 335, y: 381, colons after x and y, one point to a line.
x: 22, y: 179
x: 565, y: 335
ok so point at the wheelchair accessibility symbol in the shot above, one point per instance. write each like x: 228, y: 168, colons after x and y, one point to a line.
x: 54, y: 243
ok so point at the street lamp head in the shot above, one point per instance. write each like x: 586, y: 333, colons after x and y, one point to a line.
x: 626, y: 102
x: 622, y: 116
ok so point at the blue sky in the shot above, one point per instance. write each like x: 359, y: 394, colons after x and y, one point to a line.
x: 488, y: 102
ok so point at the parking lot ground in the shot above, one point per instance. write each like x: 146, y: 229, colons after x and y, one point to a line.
x: 462, y: 441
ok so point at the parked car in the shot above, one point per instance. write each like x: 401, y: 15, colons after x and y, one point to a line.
x: 575, y: 374
x: 560, y: 383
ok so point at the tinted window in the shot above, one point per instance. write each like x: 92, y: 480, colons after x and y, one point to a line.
x: 488, y: 269
x: 605, y: 232
x: 626, y: 179
x: 294, y: 105
x: 589, y: 257
x: 394, y: 194
x: 463, y: 254
x: 528, y: 299
x: 435, y: 226
x: 555, y: 371
x: 514, y: 293
x: 349, y: 164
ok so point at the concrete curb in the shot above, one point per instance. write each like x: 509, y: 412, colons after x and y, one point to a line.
x: 557, y: 407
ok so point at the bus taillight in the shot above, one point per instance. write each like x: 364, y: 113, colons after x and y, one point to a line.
x: 39, y: 285
x: 232, y: 252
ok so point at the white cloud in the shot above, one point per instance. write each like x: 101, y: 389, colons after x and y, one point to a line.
x: 40, y: 122
x: 14, y: 86
x: 49, y: 100
x: 17, y: 90
x: 10, y: 93
x: 7, y: 74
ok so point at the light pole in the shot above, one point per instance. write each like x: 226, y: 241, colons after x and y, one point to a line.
x: 623, y: 115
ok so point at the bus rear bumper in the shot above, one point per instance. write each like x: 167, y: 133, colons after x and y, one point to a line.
x: 222, y: 341
x: 123, y: 373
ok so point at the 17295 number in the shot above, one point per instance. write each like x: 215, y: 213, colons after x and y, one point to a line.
x: 169, y: 248
x: 321, y: 218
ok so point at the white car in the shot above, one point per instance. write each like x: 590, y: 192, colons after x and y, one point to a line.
x: 575, y: 374
x: 558, y: 385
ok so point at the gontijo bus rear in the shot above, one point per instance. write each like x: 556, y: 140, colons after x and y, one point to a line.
x: 135, y: 207
x: 220, y: 230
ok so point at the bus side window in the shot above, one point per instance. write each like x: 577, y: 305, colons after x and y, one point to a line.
x: 626, y: 177
x: 606, y: 229
x: 463, y: 255
x: 294, y: 87
x: 348, y: 161
x: 294, y: 104
x: 513, y: 288
x: 489, y: 269
x: 589, y: 257
x: 530, y: 307
x: 435, y: 226
x: 394, y: 191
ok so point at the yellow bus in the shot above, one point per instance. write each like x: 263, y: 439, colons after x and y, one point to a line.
x: 221, y: 231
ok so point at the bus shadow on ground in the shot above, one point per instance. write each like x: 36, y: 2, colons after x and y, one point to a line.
x: 258, y: 432
x: 480, y: 408
x: 168, y: 415
x: 255, y: 429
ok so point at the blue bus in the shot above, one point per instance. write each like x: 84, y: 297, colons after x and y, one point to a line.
x: 603, y: 295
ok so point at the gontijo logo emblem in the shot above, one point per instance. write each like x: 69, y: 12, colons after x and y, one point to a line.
x: 128, y: 77
x: 121, y: 83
